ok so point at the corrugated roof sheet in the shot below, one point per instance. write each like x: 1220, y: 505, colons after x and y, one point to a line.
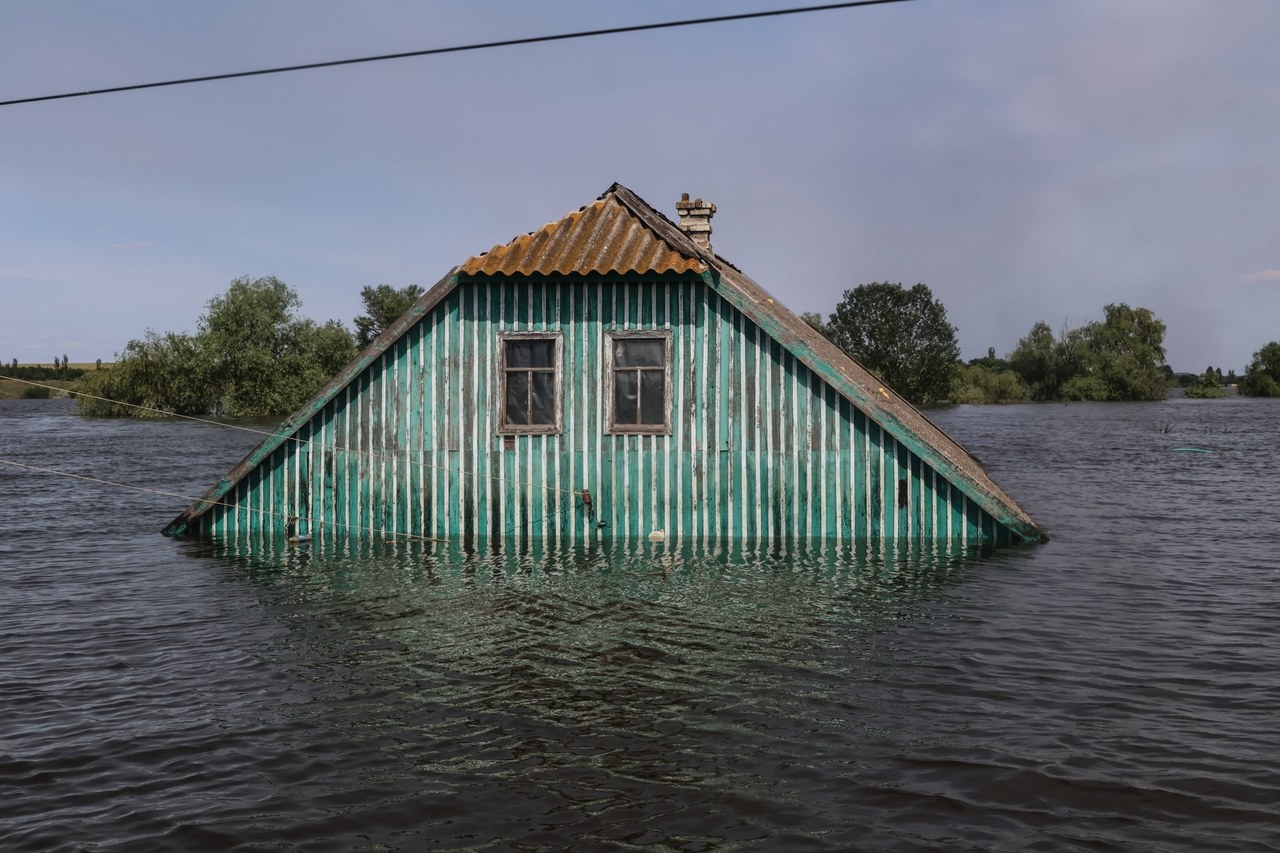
x: 603, y: 237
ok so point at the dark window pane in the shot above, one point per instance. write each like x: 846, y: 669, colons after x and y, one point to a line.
x: 640, y: 352
x: 531, y: 353
x: 543, y: 353
x: 653, y: 408
x: 544, y: 398
x: 625, y: 404
x: 518, y: 354
x: 517, y: 398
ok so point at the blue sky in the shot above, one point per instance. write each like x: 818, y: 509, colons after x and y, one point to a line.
x: 1028, y: 161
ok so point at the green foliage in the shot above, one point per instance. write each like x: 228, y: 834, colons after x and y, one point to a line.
x: 164, y: 374
x: 41, y: 372
x: 261, y: 358
x: 990, y: 361
x: 36, y: 394
x: 1262, y: 377
x: 1084, y: 388
x: 900, y: 335
x: 383, y: 305
x: 1120, y: 358
x: 1207, y: 385
x: 814, y: 320
x: 251, y: 356
x: 1126, y: 352
x: 978, y: 383
x: 1042, y: 362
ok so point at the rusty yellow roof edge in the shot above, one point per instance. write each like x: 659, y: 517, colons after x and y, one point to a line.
x: 568, y: 244
x: 470, y: 265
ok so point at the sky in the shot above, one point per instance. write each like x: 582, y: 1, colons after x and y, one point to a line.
x: 1029, y: 161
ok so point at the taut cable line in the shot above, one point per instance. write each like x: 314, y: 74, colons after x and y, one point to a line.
x: 634, y: 28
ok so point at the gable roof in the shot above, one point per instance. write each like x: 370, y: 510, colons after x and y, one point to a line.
x: 621, y: 233
x: 600, y: 238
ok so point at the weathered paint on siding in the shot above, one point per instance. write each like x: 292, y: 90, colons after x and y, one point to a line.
x: 761, y: 448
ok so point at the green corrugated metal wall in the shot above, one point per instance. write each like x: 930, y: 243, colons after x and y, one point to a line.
x: 760, y: 447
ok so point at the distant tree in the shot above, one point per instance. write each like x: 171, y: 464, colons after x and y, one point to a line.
x: 1123, y: 356
x: 814, y: 320
x: 990, y: 361
x: 14, y: 364
x: 901, y: 335
x: 1262, y: 376
x: 251, y: 356
x: 99, y: 364
x: 263, y: 358
x: 1207, y: 384
x: 977, y: 383
x: 1043, y: 361
x: 154, y: 375
x: 1120, y: 358
x: 383, y: 305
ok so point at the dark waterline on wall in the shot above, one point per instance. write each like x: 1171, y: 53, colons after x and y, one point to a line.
x: 1114, y: 689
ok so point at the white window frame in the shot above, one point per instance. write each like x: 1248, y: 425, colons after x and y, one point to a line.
x: 500, y: 392
x: 612, y: 428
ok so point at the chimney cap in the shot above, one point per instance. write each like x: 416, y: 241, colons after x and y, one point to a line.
x: 695, y: 219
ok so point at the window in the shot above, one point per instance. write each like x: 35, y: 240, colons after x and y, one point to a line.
x: 639, y: 376
x: 530, y: 383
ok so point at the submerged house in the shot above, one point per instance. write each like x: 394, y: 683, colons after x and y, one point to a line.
x: 608, y: 375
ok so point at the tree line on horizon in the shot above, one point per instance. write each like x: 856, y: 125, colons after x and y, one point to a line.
x: 254, y: 355
x: 902, y: 335
x: 61, y: 369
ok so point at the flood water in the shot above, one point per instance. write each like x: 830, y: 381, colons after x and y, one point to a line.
x: 1116, y: 689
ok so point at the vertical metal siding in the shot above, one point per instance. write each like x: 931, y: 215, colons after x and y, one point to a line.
x: 760, y: 448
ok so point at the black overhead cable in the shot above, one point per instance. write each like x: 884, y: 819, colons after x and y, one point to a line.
x: 457, y: 49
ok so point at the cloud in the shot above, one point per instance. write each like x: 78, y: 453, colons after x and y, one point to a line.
x: 1262, y: 275
x: 137, y: 244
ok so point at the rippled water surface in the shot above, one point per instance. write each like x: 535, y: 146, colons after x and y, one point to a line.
x: 1116, y: 689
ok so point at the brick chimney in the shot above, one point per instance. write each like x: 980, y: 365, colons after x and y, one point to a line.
x: 695, y: 219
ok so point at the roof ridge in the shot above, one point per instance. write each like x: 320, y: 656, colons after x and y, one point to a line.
x: 597, y: 238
